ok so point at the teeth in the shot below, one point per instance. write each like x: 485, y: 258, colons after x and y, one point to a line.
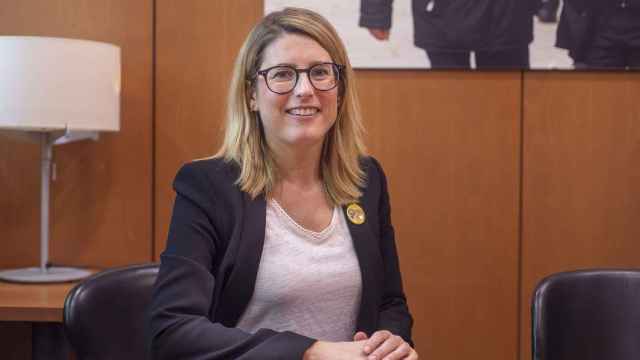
x: 303, y: 111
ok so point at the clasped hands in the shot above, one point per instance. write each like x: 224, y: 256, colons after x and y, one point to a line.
x: 382, y: 345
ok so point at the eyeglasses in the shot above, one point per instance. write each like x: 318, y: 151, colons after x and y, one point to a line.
x: 282, y: 79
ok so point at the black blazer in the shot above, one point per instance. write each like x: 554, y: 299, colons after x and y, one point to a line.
x: 208, y: 270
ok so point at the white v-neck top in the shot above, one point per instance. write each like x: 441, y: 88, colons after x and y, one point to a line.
x: 308, y: 282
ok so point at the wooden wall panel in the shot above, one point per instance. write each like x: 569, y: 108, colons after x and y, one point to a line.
x: 581, y: 187
x: 101, y: 200
x: 449, y: 143
x: 19, y: 202
x: 197, y: 41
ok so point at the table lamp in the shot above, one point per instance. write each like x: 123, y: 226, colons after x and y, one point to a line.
x: 55, y: 91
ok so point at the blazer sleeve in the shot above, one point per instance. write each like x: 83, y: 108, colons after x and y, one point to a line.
x: 180, y: 327
x: 394, y: 313
x: 375, y: 14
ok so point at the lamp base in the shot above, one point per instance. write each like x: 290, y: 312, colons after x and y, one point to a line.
x: 51, y: 275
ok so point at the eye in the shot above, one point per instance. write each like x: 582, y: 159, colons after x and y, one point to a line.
x: 281, y: 74
x: 322, y: 71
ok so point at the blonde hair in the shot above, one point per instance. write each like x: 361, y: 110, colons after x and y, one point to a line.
x: 244, y: 141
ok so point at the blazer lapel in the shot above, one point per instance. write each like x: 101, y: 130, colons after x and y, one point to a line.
x: 369, y: 259
x: 239, y: 289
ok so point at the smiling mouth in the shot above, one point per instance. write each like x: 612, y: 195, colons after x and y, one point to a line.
x: 303, y: 111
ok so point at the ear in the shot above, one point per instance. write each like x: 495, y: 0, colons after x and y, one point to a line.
x: 251, y: 94
x: 252, y: 101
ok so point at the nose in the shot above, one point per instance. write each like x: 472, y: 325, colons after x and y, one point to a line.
x: 303, y: 87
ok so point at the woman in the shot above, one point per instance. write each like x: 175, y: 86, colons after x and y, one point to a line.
x: 281, y: 246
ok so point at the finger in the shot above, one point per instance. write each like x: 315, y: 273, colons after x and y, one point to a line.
x: 400, y: 352
x: 388, y: 346
x: 360, y: 335
x: 412, y: 356
x: 375, y: 340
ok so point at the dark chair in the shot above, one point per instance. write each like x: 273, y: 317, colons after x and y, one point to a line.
x: 587, y: 315
x: 105, y: 315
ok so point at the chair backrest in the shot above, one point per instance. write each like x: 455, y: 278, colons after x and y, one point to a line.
x: 105, y: 315
x: 587, y: 315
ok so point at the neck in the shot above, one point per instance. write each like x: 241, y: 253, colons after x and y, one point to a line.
x: 300, y: 167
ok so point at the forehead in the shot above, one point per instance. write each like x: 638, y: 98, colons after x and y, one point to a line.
x: 294, y: 49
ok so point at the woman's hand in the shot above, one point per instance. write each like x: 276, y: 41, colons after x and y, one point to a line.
x: 383, y: 345
x: 324, y: 350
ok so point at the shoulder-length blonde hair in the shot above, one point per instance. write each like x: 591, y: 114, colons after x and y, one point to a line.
x: 244, y: 141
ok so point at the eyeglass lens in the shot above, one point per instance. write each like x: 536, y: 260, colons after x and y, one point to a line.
x: 282, y: 79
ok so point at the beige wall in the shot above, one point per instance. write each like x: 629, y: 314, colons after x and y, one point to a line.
x: 497, y: 178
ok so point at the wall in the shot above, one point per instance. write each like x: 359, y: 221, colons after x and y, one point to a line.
x: 497, y: 179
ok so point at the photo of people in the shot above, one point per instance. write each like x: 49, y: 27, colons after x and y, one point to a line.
x: 484, y: 34
x: 601, y: 34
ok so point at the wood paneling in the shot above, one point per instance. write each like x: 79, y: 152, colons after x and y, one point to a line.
x: 449, y: 143
x: 197, y: 41
x: 581, y: 187
x: 19, y: 202
x: 101, y: 200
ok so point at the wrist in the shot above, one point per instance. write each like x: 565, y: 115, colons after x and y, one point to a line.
x: 314, y: 351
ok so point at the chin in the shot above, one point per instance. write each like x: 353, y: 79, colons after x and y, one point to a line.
x: 306, y: 139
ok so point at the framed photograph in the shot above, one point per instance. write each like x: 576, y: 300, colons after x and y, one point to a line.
x: 483, y: 34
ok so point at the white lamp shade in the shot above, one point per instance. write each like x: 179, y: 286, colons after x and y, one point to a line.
x: 49, y: 84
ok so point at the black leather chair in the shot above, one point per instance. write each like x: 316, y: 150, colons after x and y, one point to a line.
x: 587, y: 315
x: 105, y: 315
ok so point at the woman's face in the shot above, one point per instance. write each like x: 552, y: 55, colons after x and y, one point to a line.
x: 304, y: 115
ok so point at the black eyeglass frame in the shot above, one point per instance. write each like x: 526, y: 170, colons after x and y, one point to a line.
x: 264, y: 72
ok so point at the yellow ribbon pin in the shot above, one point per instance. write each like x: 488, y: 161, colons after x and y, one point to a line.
x: 355, y: 214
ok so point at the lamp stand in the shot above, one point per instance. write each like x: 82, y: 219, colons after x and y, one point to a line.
x: 44, y: 273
